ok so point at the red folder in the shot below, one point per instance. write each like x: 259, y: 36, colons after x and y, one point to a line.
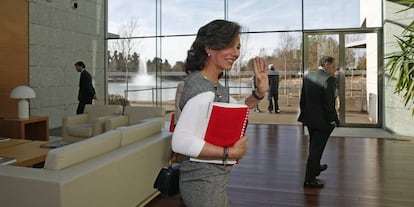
x: 227, y: 123
x: 172, y: 122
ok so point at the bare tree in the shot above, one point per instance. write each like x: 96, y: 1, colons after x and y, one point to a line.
x: 285, y: 55
x: 244, y: 52
x: 125, y: 45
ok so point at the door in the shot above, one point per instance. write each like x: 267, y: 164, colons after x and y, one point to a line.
x: 356, y: 54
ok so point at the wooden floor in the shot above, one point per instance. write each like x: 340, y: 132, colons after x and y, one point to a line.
x: 362, y: 172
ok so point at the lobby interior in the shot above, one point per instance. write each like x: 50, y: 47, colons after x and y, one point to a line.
x: 369, y: 156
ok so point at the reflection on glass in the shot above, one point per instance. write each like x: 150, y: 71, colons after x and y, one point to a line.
x: 146, y: 63
x: 320, y: 45
x: 266, y: 15
x: 185, y: 17
x: 131, y: 18
x: 331, y: 14
x: 355, y: 79
x: 132, y: 68
x: 283, y: 50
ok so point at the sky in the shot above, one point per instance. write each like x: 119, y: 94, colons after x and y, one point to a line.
x: 186, y: 16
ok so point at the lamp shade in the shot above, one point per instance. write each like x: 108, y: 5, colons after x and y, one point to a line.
x: 22, y: 92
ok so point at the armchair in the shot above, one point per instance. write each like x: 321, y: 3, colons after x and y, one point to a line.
x: 134, y: 115
x: 90, y: 123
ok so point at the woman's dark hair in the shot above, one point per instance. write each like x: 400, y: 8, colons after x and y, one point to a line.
x: 217, y: 35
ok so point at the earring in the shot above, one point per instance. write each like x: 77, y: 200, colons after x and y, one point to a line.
x: 208, y: 54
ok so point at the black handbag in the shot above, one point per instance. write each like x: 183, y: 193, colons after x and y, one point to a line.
x: 167, y: 181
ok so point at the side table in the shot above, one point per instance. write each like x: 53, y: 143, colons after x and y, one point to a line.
x: 33, y: 128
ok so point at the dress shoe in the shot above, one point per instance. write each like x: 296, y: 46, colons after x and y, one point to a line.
x: 322, y: 168
x: 313, y: 184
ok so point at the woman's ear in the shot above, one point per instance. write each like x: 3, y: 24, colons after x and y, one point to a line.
x: 208, y: 51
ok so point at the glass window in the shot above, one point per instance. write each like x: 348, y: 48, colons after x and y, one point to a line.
x: 146, y: 63
x: 140, y: 14
x: 132, y: 74
x: 283, y: 50
x: 174, y: 49
x: 266, y: 15
x: 173, y: 55
x: 187, y: 16
x: 322, y: 14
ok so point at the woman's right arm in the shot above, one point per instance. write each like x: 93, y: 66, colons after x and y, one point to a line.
x: 187, y: 138
x: 188, y: 134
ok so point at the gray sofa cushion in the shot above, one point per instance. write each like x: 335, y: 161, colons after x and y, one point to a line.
x: 72, y: 154
x: 137, y: 132
x: 81, y: 130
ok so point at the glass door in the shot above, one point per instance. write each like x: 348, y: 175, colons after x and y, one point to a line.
x: 356, y: 55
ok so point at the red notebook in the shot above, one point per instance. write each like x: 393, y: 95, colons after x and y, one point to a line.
x: 227, y: 123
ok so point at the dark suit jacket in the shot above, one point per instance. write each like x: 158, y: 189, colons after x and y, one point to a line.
x: 317, y: 101
x: 273, y: 82
x: 86, y: 89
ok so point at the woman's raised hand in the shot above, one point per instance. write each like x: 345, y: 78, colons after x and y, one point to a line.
x: 261, y: 71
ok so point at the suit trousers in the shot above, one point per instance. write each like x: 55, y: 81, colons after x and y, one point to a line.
x: 81, y: 106
x: 273, y: 102
x: 317, y: 142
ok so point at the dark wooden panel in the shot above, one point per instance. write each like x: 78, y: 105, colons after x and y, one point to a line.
x: 14, y: 52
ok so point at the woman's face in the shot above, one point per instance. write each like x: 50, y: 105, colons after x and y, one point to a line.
x: 224, y: 58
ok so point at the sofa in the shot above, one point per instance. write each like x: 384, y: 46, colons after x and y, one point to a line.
x: 115, y: 168
x: 134, y: 115
x: 90, y: 123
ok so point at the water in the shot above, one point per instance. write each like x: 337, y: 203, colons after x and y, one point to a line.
x: 144, y: 89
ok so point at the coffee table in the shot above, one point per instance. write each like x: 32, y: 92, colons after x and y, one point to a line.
x: 27, y: 153
x: 12, y: 142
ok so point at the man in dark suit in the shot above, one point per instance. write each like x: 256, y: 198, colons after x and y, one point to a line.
x: 318, y: 114
x: 273, y: 94
x: 86, y: 89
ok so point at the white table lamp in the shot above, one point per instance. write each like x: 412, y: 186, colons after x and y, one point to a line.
x: 23, y: 93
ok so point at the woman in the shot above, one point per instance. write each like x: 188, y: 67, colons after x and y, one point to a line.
x: 203, y: 176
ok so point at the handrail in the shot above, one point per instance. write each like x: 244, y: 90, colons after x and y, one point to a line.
x: 286, y: 91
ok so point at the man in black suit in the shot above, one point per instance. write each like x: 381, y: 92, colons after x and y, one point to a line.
x: 86, y: 89
x: 273, y: 94
x: 318, y: 114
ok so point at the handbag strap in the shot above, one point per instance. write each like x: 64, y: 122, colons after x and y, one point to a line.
x: 172, y: 156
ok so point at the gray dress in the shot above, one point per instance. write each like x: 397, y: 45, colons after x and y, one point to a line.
x: 203, y: 184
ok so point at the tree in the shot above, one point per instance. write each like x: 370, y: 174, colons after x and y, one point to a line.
x: 166, y: 66
x: 133, y: 62
x: 126, y: 45
x: 154, y: 64
x: 362, y: 62
x: 244, y: 52
x: 285, y: 58
x: 178, y: 67
x: 320, y: 45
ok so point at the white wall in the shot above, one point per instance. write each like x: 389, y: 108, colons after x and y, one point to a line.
x: 59, y: 36
x: 372, y: 76
x: 397, y: 118
x: 370, y: 10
